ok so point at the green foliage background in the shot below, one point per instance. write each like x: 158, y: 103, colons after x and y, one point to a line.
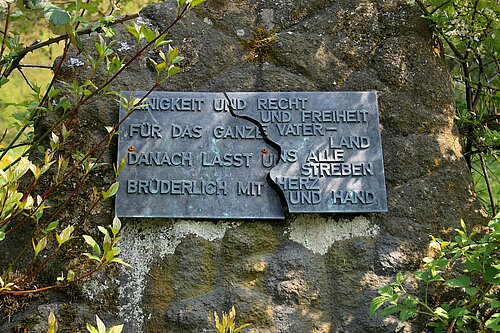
x: 17, y: 90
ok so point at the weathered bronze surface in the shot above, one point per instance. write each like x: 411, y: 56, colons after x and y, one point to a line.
x: 197, y: 155
x: 330, y: 147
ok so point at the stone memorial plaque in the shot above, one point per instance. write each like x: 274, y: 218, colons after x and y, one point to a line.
x: 331, y: 153
x: 186, y: 156
x: 203, y: 155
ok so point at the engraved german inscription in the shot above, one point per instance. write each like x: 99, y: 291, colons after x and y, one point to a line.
x: 336, y: 165
x: 201, y: 155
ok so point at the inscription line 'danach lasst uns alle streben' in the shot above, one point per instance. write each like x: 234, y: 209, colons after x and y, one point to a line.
x: 188, y: 156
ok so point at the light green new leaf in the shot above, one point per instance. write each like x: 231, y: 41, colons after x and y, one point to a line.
x: 3, y: 177
x: 100, y: 325
x: 149, y: 34
x: 195, y: 3
x: 91, y: 256
x: 89, y: 240
x: 119, y: 261
x: 103, y: 230
x: 133, y: 29
x: 494, y: 322
x: 376, y: 303
x: 172, y: 70
x: 161, y: 67
x: 172, y: 53
x: 92, y: 329
x: 65, y: 235
x: 111, y: 191
x: 116, y: 329
x: 117, y: 225
x: 52, y: 323
x: 440, y: 312
x: 40, y: 246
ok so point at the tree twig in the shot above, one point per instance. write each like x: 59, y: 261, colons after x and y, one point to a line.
x: 26, y: 79
x: 6, y: 27
x: 54, y: 40
x: 35, y: 66
x: 488, y: 185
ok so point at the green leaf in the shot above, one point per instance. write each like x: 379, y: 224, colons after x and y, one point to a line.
x: 490, y: 275
x: 440, y: 312
x: 195, y: 3
x: 40, y: 246
x: 386, y: 291
x: 52, y: 225
x: 119, y: 261
x: 65, y: 235
x: 494, y: 303
x: 52, y: 323
x: 462, y: 281
x: 471, y: 290
x: 458, y: 312
x: 91, y: 256
x: 117, y: 225
x: 111, y: 191
x: 172, y: 70
x: 2, y: 235
x: 406, y: 314
x: 116, y: 329
x: 376, y: 303
x: 428, y: 277
x: 390, y: 310
x: 149, y: 34
x: 3, y: 81
x: 103, y: 230
x: 493, y: 322
x: 90, y: 241
x: 56, y: 16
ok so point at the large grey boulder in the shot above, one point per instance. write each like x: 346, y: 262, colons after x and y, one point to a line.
x: 309, y: 273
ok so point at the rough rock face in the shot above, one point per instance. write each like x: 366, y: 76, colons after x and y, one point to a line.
x: 309, y: 273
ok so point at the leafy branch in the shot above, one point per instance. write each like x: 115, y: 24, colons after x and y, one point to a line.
x: 468, y: 269
x: 19, y: 204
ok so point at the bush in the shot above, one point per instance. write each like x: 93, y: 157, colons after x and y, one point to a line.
x: 465, y: 271
x: 44, y: 174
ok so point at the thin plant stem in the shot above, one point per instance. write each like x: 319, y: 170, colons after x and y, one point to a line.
x: 488, y: 185
x: 5, y: 30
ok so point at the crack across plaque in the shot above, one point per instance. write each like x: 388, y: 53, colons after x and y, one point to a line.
x: 265, y: 137
x: 330, y: 154
x: 198, y: 162
x: 212, y: 155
